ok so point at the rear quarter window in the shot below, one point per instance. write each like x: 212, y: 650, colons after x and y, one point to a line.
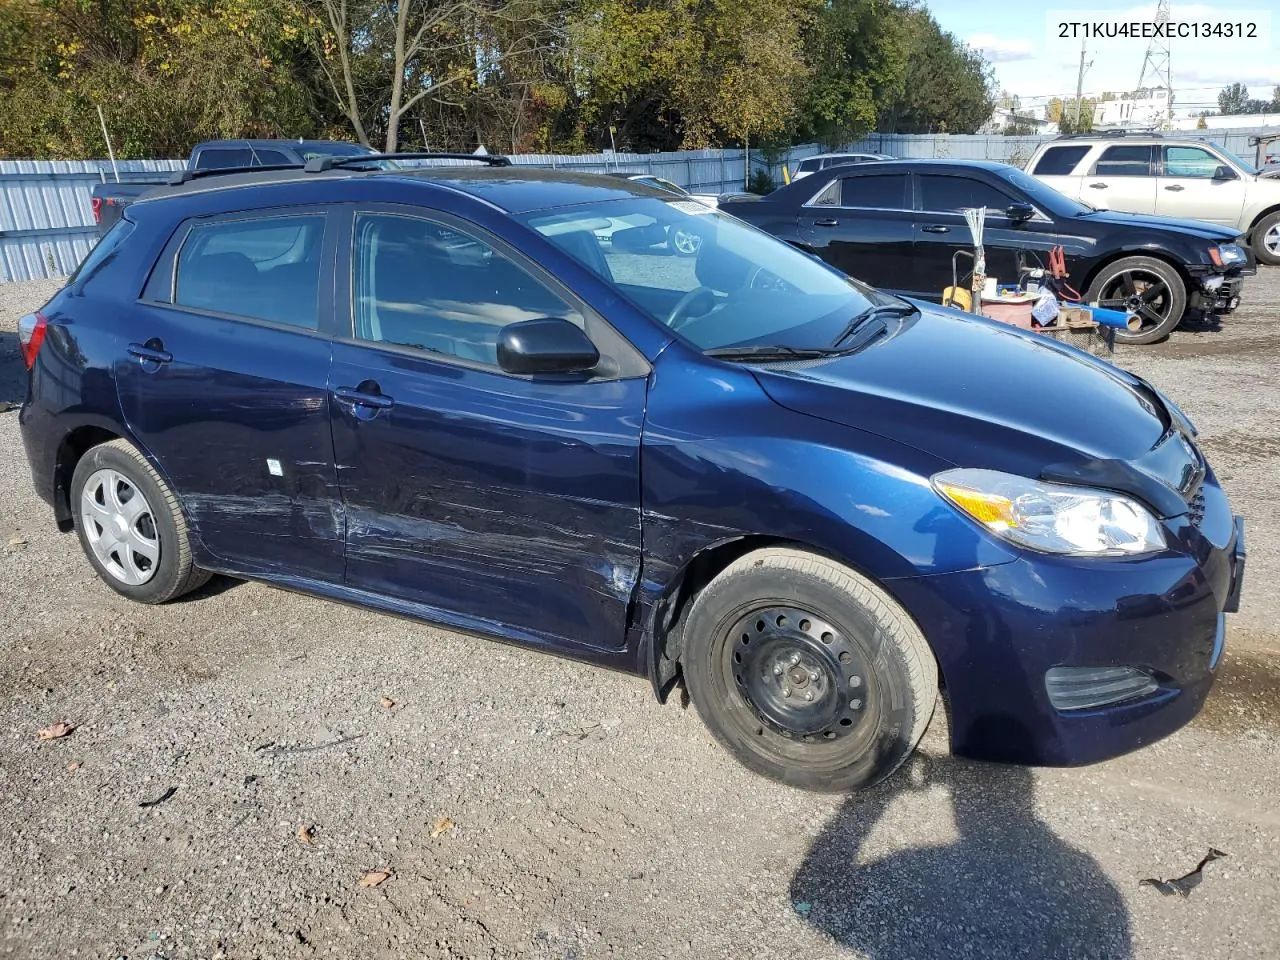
x: 1059, y: 161
x: 812, y: 165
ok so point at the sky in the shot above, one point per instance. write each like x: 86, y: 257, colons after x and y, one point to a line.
x: 1032, y: 62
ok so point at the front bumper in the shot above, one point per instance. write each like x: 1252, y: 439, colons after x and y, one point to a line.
x: 1208, y: 296
x: 997, y: 632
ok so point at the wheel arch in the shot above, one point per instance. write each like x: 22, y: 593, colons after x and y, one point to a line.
x: 74, y: 445
x: 1262, y: 215
x: 1162, y: 255
x: 662, y: 640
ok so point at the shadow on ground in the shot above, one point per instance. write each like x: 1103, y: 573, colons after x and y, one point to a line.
x: 13, y: 374
x: 1008, y: 887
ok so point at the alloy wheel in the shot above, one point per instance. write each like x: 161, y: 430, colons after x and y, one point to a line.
x: 1139, y: 292
x: 120, y: 527
x: 1271, y: 240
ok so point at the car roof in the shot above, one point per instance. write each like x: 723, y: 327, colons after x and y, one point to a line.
x: 269, y: 143
x: 845, y: 153
x: 904, y: 163
x: 515, y: 190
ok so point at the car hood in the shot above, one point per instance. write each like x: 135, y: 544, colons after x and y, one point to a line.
x: 1200, y: 228
x: 977, y: 393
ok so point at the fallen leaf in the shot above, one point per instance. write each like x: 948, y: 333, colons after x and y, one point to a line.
x: 18, y: 541
x: 371, y: 878
x: 73, y: 766
x: 54, y: 731
x: 387, y: 703
x: 442, y: 825
x: 307, y: 834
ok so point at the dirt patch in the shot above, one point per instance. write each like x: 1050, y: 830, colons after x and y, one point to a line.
x: 1246, y: 696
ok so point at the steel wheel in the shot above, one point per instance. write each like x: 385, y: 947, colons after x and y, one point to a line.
x: 1141, y: 292
x: 797, y: 673
x: 120, y: 527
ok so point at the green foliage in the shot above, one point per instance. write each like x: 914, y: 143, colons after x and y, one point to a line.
x: 518, y: 75
x: 761, y: 182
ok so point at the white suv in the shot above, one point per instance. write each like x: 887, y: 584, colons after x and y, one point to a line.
x: 1150, y: 174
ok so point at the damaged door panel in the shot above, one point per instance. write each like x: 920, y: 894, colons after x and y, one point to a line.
x: 474, y: 492
x: 227, y: 390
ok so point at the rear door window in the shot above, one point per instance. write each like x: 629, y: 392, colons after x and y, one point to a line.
x: 1124, y: 161
x: 1060, y: 161
x: 886, y: 191
x: 268, y: 158
x: 264, y: 268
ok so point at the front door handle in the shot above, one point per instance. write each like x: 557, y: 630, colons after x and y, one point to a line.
x: 826, y: 222
x: 1097, y: 186
x: 363, y: 398
x: 1174, y: 187
x: 150, y: 352
x: 936, y: 228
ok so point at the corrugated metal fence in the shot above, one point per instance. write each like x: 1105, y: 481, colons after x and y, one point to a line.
x: 46, y: 223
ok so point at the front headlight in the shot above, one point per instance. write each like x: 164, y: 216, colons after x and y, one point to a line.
x: 1050, y: 517
x: 1227, y: 255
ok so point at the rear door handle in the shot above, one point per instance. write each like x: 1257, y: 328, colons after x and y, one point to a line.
x: 936, y: 228
x: 1174, y: 186
x: 826, y: 222
x: 1097, y: 186
x: 154, y: 354
x: 362, y: 398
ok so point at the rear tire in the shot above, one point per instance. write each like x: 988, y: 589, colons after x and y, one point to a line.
x: 1266, y: 239
x: 808, y: 672
x: 131, y: 526
x: 1147, y: 286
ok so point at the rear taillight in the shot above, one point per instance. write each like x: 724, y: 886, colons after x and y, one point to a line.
x: 30, y: 335
x: 97, y: 209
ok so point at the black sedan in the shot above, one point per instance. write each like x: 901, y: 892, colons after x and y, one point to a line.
x: 896, y: 225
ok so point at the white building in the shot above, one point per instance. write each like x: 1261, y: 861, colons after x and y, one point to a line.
x: 1144, y: 113
x: 1234, y: 120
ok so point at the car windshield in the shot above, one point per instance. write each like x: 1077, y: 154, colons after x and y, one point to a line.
x: 1045, y: 197
x: 712, y: 278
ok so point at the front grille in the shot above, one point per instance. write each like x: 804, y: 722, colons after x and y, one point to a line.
x: 1195, y: 508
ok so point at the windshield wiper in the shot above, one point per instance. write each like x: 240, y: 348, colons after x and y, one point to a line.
x: 771, y: 351
x: 881, y: 312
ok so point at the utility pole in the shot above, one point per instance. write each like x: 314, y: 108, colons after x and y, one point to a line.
x: 1080, y: 86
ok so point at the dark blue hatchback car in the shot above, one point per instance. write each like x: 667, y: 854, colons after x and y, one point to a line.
x: 497, y: 399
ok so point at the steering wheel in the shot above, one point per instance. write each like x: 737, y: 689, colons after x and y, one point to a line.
x: 676, y: 319
x: 762, y: 279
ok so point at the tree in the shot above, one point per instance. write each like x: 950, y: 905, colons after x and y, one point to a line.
x: 1067, y: 123
x: 947, y: 87
x: 148, y: 66
x: 381, y: 58
x: 859, y: 50
x: 1233, y: 99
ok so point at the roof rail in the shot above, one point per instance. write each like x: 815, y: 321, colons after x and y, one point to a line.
x: 180, y: 177
x: 1110, y: 135
x: 321, y: 164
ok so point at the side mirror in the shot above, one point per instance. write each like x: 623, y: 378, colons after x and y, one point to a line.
x: 546, y: 345
x: 1020, y: 211
x: 1223, y: 172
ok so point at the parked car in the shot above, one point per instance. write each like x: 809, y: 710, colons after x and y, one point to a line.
x: 1170, y: 178
x: 898, y: 224
x: 806, y: 498
x: 822, y: 161
x: 110, y: 198
x: 685, y: 244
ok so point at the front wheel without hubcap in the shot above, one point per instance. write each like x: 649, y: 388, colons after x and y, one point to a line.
x: 1149, y: 288
x: 808, y: 672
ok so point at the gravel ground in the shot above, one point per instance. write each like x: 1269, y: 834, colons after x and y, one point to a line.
x: 585, y: 820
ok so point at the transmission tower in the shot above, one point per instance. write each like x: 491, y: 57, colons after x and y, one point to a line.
x: 1157, y: 64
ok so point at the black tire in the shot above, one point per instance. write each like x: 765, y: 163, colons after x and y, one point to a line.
x: 1152, y: 285
x: 871, y: 678
x: 118, y: 466
x: 1260, y: 236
